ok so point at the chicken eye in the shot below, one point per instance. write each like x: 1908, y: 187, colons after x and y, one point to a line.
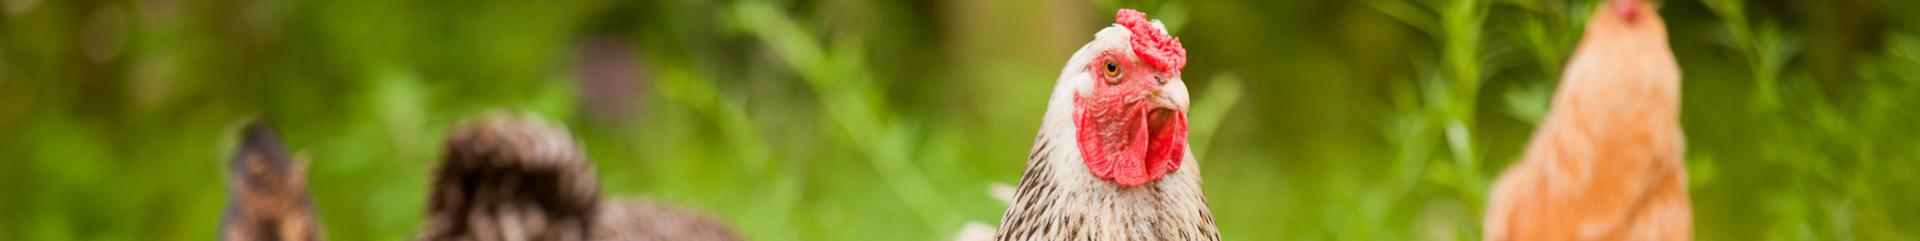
x: 1113, y: 72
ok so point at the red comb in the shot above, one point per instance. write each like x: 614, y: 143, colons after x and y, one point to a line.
x: 1627, y: 8
x: 1159, y: 50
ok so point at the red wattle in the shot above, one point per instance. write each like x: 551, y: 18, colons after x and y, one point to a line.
x: 1167, y: 148
x: 1116, y: 142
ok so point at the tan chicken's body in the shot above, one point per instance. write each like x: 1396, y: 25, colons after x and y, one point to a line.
x: 1062, y: 197
x: 1607, y: 163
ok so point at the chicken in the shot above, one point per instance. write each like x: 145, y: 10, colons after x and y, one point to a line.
x: 511, y: 177
x: 646, y: 220
x: 267, y: 196
x: 1606, y: 163
x: 1111, y: 160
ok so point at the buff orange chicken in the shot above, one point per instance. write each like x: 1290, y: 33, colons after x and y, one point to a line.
x: 1607, y: 162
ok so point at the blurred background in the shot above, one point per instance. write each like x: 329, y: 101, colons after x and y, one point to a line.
x: 893, y: 120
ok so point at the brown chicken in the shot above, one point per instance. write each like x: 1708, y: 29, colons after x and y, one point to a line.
x: 1606, y: 164
x: 511, y: 177
x: 1111, y: 159
x: 267, y: 196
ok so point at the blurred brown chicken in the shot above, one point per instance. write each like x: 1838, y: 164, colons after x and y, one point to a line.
x: 267, y: 192
x: 1606, y: 164
x: 511, y: 177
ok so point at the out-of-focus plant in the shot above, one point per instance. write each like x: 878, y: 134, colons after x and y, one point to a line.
x: 837, y: 72
x: 1444, y: 99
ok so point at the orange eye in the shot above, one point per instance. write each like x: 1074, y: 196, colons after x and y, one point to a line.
x: 1113, y: 72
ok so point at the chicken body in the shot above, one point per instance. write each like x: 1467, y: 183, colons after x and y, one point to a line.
x: 1606, y: 164
x: 1137, y: 190
x: 511, y: 177
x: 267, y: 196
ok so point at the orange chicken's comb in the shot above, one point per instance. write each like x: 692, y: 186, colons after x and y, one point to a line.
x: 1627, y: 8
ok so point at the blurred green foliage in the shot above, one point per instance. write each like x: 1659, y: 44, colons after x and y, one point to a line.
x: 889, y: 120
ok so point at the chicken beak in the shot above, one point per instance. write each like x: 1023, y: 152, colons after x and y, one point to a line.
x: 1166, y: 103
x: 1170, y: 95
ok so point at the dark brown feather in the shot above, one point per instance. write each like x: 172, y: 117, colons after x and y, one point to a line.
x: 509, y: 177
x: 267, y: 197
